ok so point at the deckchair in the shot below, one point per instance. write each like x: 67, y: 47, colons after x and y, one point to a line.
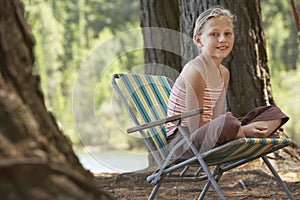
x: 145, y: 98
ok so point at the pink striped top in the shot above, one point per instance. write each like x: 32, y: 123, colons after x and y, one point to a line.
x: 176, y: 104
x: 210, y: 97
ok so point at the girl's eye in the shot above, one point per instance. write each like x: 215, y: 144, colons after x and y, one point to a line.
x: 228, y: 33
x: 214, y: 34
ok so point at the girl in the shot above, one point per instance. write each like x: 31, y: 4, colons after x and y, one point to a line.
x: 203, y: 83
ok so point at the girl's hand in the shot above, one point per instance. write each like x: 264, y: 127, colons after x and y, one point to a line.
x: 274, y: 135
x: 255, y: 130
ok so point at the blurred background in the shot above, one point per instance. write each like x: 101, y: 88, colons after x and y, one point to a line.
x: 66, y: 33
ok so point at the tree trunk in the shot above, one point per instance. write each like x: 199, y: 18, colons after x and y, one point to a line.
x: 33, y: 151
x: 249, y: 85
x: 162, y: 14
x: 250, y: 77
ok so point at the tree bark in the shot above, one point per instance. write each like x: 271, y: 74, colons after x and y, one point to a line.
x: 162, y: 14
x: 32, y: 148
x: 250, y: 77
x: 27, y: 116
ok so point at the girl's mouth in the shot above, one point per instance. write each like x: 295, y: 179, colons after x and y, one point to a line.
x: 222, y: 47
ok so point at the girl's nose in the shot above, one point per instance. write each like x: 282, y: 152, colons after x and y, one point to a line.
x: 222, y: 38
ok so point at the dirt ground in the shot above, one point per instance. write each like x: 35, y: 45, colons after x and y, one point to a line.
x: 250, y: 181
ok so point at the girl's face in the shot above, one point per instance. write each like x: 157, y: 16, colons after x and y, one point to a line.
x: 217, y: 38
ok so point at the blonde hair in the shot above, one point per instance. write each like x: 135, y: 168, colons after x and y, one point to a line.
x: 216, y: 11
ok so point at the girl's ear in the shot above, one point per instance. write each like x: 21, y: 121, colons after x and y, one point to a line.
x: 197, y: 41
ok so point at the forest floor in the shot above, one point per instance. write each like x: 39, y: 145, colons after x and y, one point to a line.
x: 249, y: 181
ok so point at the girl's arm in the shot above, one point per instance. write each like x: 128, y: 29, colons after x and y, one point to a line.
x: 194, y: 87
x: 220, y: 105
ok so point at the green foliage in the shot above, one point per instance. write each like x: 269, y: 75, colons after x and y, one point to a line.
x: 116, y: 14
x: 66, y: 32
x: 281, y: 34
x: 284, y: 57
x: 108, y: 104
x: 286, y: 87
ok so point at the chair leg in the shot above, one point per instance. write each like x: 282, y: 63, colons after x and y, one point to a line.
x: 186, y: 168
x: 155, y: 189
x: 208, y: 183
x: 210, y: 180
x: 203, y: 192
x: 278, y: 179
x: 198, y: 171
x: 210, y: 177
x: 219, y: 176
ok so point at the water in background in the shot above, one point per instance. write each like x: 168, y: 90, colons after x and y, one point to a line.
x: 113, y: 161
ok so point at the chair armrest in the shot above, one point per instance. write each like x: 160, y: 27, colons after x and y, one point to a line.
x: 166, y: 120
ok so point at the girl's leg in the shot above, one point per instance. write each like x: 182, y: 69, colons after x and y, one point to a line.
x: 220, y: 130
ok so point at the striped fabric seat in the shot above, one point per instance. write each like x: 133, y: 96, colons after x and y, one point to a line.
x: 150, y: 97
x: 243, y: 148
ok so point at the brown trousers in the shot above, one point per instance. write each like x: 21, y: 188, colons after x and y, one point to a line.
x: 222, y: 130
